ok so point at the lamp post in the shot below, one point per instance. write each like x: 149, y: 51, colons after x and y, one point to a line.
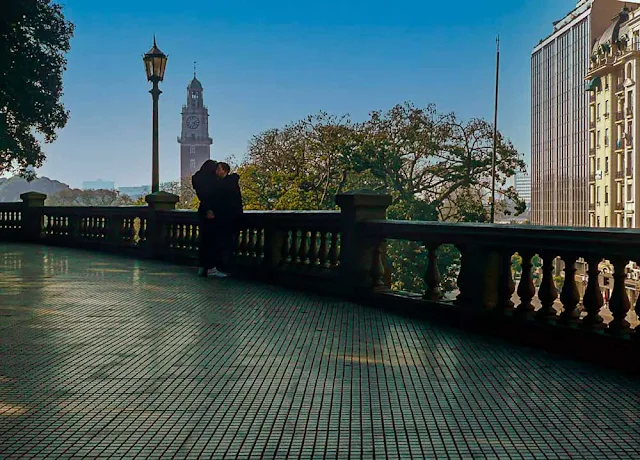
x: 155, y: 62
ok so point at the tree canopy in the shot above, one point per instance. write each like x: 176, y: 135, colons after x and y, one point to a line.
x: 34, y: 37
x: 76, y: 197
x: 435, y: 166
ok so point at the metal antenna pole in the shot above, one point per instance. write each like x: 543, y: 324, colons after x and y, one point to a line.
x: 495, y: 136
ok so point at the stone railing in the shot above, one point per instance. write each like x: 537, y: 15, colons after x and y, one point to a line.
x: 345, y: 253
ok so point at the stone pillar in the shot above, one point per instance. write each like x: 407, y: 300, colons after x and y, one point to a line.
x: 32, y: 216
x: 361, y: 259
x: 156, y: 230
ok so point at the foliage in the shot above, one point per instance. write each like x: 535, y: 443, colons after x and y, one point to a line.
x: 34, y: 37
x: 184, y: 190
x: 434, y: 166
x: 75, y: 197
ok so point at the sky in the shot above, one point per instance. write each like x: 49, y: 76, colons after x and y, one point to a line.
x: 266, y: 64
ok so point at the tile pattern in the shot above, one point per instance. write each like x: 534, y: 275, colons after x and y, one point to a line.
x: 107, y: 356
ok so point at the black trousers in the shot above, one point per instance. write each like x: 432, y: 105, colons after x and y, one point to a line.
x: 207, y: 244
x: 216, y: 244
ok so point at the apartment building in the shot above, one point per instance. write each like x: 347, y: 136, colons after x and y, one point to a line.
x: 613, y: 101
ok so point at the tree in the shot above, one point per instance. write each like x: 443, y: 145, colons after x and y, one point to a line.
x: 301, y: 166
x: 434, y: 166
x: 34, y: 37
x: 75, y: 197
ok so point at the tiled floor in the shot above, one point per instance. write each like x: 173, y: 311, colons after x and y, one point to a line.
x: 102, y: 355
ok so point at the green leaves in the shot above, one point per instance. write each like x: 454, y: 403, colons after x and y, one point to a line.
x: 34, y: 36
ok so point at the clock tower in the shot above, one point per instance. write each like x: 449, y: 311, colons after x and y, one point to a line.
x: 195, y: 143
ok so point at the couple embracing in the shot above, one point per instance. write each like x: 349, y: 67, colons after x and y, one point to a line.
x: 219, y: 214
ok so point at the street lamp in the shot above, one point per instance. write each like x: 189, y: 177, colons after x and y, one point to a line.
x: 155, y: 62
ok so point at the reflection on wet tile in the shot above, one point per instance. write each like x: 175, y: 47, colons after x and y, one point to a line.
x: 108, y: 356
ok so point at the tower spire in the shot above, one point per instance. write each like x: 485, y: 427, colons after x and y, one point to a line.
x: 194, y: 69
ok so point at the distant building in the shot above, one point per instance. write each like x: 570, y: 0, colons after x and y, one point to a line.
x: 135, y: 192
x: 195, y: 143
x: 522, y: 184
x: 98, y: 185
x: 560, y: 113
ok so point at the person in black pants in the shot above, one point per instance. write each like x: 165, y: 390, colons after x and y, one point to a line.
x: 205, y: 183
x: 227, y: 208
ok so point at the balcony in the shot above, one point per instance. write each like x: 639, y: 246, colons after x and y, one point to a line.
x: 592, y: 125
x: 619, y: 207
x: 128, y: 335
x: 592, y: 152
x: 619, y: 145
x: 619, y: 116
x: 592, y: 206
x: 592, y: 177
x: 629, y: 172
x: 619, y: 175
x: 629, y: 112
x: 619, y: 87
x: 592, y: 97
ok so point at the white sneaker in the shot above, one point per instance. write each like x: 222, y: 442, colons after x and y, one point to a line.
x: 217, y: 274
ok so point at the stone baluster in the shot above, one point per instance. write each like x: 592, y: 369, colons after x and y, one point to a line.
x: 526, y: 289
x: 547, y: 292
x: 432, y: 277
x: 619, y: 302
x: 251, y: 246
x: 142, y: 231
x: 285, y: 249
x: 506, y: 286
x: 570, y: 296
x: 593, y: 300
x: 303, y: 252
x: 334, y: 251
x: 259, y: 248
x: 313, y: 248
x: 295, y: 259
x: 322, y: 251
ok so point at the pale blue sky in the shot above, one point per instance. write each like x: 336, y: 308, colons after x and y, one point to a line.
x: 264, y: 64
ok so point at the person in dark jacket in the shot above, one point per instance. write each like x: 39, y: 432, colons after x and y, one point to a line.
x: 205, y: 182
x: 227, y: 208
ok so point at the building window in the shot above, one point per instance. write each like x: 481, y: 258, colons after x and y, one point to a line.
x: 606, y: 108
x: 192, y: 149
x: 598, y: 163
x: 192, y: 164
x: 629, y: 192
x: 598, y: 112
x: 606, y: 221
x: 598, y: 197
x: 606, y: 194
x: 629, y: 222
x: 606, y: 165
x: 629, y: 70
x: 598, y: 140
x: 598, y: 221
x: 606, y: 137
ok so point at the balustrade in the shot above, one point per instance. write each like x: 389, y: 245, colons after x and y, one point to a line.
x: 348, y: 248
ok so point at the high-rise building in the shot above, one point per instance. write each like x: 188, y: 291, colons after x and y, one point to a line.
x: 614, y: 198
x: 559, y: 115
x: 195, y: 143
x: 522, y: 184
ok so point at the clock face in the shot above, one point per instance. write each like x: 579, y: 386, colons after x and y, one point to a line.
x: 193, y: 122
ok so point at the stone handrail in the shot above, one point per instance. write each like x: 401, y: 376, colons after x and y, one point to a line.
x: 486, y: 281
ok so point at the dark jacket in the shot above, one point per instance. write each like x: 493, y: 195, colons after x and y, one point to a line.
x: 205, y: 184
x: 228, y: 201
